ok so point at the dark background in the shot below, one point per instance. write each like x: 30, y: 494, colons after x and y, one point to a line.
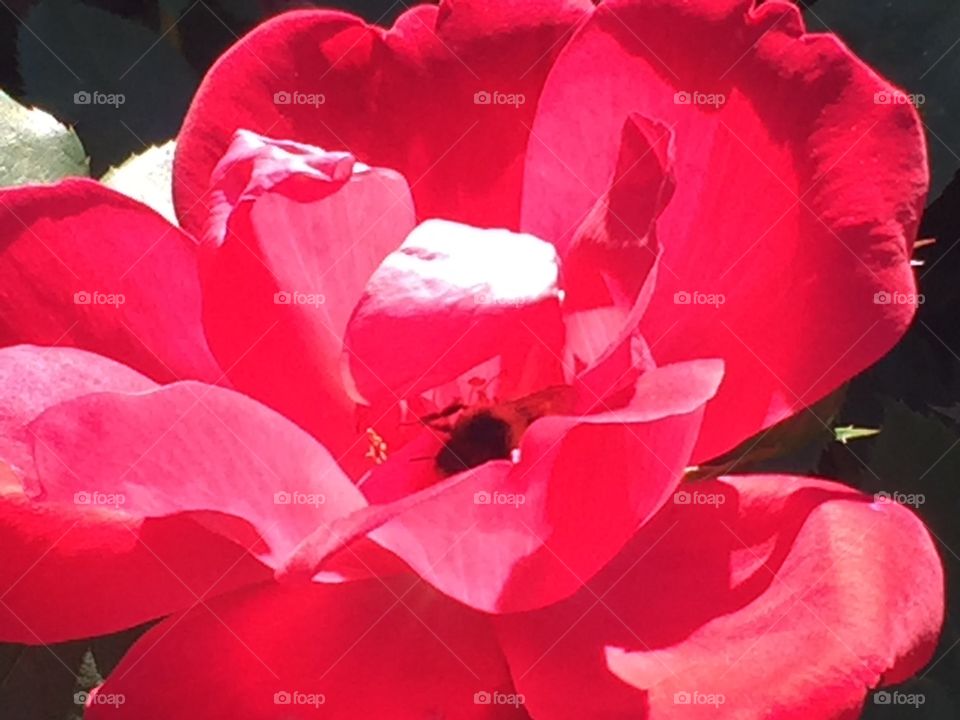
x: 913, y: 395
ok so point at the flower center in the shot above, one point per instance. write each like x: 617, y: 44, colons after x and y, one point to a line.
x: 493, y: 431
x: 475, y: 439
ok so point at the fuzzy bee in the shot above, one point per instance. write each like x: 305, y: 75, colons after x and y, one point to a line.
x: 482, y: 433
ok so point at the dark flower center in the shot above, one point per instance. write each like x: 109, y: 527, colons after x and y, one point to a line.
x: 478, y: 438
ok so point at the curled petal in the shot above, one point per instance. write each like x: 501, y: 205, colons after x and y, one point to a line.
x: 614, y: 248
x: 294, y: 234
x: 698, y: 612
x: 449, y: 299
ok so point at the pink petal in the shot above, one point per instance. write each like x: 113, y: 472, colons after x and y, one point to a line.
x: 83, y: 266
x: 614, y: 248
x: 745, y: 597
x: 120, y: 571
x: 244, y: 470
x: 450, y: 298
x: 798, y: 193
x: 610, y: 264
x: 33, y: 379
x: 295, y: 233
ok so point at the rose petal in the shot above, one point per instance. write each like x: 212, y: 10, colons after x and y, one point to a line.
x: 71, y: 572
x: 84, y: 266
x: 120, y: 571
x: 294, y: 236
x: 615, y: 247
x: 744, y: 595
x: 610, y: 264
x: 250, y: 473
x: 33, y: 379
x: 406, y: 98
x: 356, y: 650
x: 253, y: 165
x: 450, y: 298
x: 776, y: 272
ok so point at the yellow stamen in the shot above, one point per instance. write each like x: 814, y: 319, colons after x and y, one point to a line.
x: 378, y: 447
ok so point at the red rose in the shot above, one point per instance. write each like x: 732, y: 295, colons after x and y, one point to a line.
x: 395, y: 425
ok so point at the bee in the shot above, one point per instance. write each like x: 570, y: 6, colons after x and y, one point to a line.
x: 492, y: 432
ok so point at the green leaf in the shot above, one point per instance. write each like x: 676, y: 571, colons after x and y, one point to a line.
x: 147, y: 177
x: 121, y: 84
x: 36, y: 148
x: 793, y: 445
x: 41, y: 681
x: 847, y: 433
